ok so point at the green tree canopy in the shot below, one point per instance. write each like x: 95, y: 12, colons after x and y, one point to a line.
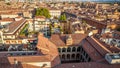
x: 63, y: 17
x: 43, y: 12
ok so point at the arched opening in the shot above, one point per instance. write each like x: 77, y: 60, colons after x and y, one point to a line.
x: 89, y: 59
x: 73, y: 49
x: 69, y: 49
x: 59, y: 49
x: 78, y: 49
x: 86, y: 55
x: 73, y: 56
x: 63, y: 56
x: 68, y: 56
x: 63, y: 49
x: 78, y: 56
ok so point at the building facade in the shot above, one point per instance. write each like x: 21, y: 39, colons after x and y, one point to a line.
x: 70, y: 48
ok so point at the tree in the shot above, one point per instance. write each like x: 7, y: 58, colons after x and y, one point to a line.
x: 43, y: 12
x: 63, y: 17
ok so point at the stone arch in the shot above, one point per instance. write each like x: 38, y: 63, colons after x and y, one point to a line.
x: 68, y: 56
x: 73, y: 56
x: 63, y: 56
x: 68, y: 49
x: 78, y: 49
x: 63, y: 49
x: 78, y: 56
x: 73, y: 49
x: 59, y: 49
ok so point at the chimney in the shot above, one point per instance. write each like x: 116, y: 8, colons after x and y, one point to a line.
x: 69, y: 40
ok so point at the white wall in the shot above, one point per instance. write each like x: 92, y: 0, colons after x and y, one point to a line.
x: 5, y: 22
x: 9, y: 16
x: 40, y: 64
x: 56, y: 13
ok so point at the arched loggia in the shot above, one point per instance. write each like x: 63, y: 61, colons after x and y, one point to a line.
x: 63, y: 49
x: 73, y: 49
x: 68, y: 49
x: 63, y: 56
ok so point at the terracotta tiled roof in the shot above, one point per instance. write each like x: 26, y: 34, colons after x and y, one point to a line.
x: 19, y: 17
x: 47, y: 47
x: 106, y: 35
x: 110, y: 47
x: 57, y: 40
x: 60, y: 40
x: 37, y: 58
x: 97, y: 49
x: 15, y: 25
x: 39, y: 17
x: 91, y: 51
x: 98, y: 46
x: 95, y: 23
x: 109, y: 35
x: 7, y: 19
x: 18, y: 66
x: 47, y: 52
x: 87, y: 65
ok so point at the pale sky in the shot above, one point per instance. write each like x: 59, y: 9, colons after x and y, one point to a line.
x: 98, y: 0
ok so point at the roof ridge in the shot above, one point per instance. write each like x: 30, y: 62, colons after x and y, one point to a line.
x: 101, y: 45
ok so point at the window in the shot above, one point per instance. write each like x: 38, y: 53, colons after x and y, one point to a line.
x: 68, y: 56
x: 78, y: 49
x: 59, y: 49
x: 86, y: 55
x: 73, y: 56
x: 68, y: 49
x: 89, y: 59
x: 64, y: 50
x: 63, y: 56
x: 73, y: 49
x: 77, y: 56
